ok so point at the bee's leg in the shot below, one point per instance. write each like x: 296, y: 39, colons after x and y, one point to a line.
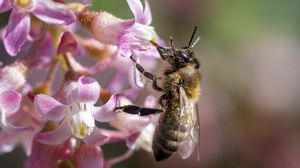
x: 147, y: 74
x: 161, y: 100
x: 142, y: 111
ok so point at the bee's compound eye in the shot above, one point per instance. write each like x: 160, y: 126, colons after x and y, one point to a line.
x: 183, y: 55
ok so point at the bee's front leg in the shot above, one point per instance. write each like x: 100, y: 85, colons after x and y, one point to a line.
x: 147, y: 74
x: 142, y: 111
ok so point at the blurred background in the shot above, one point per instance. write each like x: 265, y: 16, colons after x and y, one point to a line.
x: 250, y: 63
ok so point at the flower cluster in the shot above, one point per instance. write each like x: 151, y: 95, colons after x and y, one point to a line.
x: 51, y: 101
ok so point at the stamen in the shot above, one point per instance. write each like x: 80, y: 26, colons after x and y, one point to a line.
x: 80, y: 120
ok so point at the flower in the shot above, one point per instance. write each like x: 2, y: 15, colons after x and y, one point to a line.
x: 78, y: 114
x: 13, y: 77
x: 18, y: 124
x: 132, y: 36
x: 89, y: 156
x: 18, y: 27
x: 46, y: 156
x: 140, y: 132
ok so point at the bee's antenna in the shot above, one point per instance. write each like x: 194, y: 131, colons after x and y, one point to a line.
x: 198, y: 38
x: 192, y: 37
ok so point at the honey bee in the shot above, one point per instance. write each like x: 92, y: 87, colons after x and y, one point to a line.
x: 178, y: 124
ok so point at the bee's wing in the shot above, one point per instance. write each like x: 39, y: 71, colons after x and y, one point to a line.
x: 188, y: 122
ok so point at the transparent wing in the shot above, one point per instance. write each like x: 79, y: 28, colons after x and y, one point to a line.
x: 189, y: 124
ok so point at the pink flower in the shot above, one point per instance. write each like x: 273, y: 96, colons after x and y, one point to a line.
x: 78, y: 114
x: 17, y: 125
x: 13, y: 77
x: 89, y: 156
x: 131, y: 36
x: 18, y: 27
x: 139, y: 132
x: 46, y: 156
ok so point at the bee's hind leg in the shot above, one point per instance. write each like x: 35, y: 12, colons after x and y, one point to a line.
x: 142, y: 111
x: 147, y: 74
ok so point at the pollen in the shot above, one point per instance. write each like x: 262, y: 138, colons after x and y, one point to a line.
x: 23, y: 2
x: 86, y: 19
x: 82, y: 129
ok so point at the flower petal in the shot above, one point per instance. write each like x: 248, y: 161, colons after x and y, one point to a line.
x: 136, y: 7
x: 27, y: 141
x: 137, y: 123
x: 106, y: 112
x: 10, y: 102
x: 69, y: 92
x: 147, y: 19
x: 7, y: 127
x: 50, y: 108
x: 5, y: 5
x: 89, y: 156
x: 7, y: 143
x: 96, y: 138
x: 16, y: 32
x: 143, y: 17
x: 131, y: 139
x: 45, y: 53
x: 107, y: 28
x: 113, y: 136
x: 67, y: 43
x: 53, y: 13
x: 44, y: 155
x: 58, y: 136
x: 88, y: 89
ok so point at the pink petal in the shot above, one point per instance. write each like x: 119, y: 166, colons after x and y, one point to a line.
x: 89, y: 156
x: 67, y: 43
x: 10, y: 102
x: 143, y: 17
x: 107, y: 28
x: 106, y: 112
x: 51, y: 13
x: 7, y: 143
x: 88, y: 90
x: 58, y: 136
x: 16, y: 32
x: 69, y: 92
x: 113, y: 136
x: 137, y: 123
x: 50, y: 108
x: 7, y: 127
x: 45, y: 53
x: 96, y: 138
x: 27, y: 141
x: 44, y: 155
x: 147, y: 19
x: 136, y: 7
x: 5, y: 5
x: 130, y: 140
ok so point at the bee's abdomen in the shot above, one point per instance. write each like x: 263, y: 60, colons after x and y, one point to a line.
x: 167, y: 137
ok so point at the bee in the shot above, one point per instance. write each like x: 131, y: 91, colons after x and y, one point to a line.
x: 178, y: 124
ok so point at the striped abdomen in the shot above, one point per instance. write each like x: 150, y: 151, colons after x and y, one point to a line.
x: 167, y: 136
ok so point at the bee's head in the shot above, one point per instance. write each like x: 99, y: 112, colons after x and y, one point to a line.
x: 179, y: 57
x: 185, y: 55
